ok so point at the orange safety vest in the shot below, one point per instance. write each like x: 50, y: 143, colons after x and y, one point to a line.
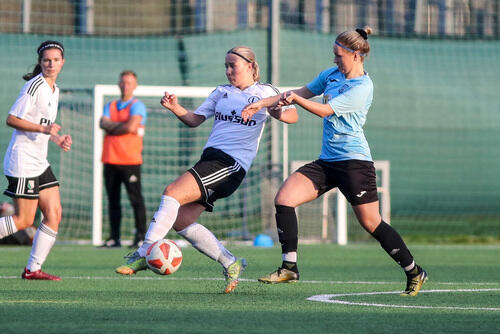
x: 123, y: 149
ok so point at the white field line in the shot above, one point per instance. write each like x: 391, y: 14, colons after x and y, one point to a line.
x: 331, y: 299
x: 174, y: 278
x: 326, y: 298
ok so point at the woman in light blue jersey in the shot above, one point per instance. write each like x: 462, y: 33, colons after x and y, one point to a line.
x: 345, y: 160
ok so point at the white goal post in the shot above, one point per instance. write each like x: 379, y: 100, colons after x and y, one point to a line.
x: 101, y: 91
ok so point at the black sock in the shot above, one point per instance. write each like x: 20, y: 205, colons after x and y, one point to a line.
x: 288, y: 232
x: 290, y: 266
x: 393, y: 244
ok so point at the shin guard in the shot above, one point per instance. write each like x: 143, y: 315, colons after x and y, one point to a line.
x: 288, y: 232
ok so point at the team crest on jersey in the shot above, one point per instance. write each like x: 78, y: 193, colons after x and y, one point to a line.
x: 253, y: 99
x: 326, y: 98
x: 343, y: 88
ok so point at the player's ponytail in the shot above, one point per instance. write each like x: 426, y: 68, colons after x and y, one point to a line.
x: 248, y: 55
x: 356, y: 40
x: 256, y: 71
x: 44, y: 46
x: 37, y: 70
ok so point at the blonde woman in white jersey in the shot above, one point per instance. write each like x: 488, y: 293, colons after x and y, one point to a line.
x: 222, y: 167
x: 32, y: 184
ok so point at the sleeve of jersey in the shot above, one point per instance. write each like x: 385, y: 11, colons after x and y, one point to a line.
x: 207, y: 108
x: 351, y: 100
x: 318, y: 85
x: 106, y: 112
x: 138, y: 108
x: 23, y: 104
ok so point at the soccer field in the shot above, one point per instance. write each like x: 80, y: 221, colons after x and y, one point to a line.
x: 353, y: 287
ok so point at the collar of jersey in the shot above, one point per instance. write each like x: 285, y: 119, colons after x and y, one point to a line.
x: 120, y: 104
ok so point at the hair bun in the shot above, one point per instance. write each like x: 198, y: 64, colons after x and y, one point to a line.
x: 363, y: 33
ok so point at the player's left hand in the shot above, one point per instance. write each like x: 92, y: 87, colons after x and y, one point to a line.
x: 66, y: 142
x: 249, y: 110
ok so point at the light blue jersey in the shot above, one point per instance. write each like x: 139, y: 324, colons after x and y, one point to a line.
x: 350, y: 99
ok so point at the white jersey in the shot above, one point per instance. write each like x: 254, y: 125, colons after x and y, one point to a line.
x: 26, y: 155
x: 230, y: 133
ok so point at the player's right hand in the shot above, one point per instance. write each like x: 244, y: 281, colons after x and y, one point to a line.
x: 52, y: 129
x: 286, y: 98
x: 169, y: 101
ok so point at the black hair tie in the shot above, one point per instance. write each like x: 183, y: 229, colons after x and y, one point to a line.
x: 362, y: 33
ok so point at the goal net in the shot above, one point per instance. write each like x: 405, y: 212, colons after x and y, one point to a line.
x: 170, y: 148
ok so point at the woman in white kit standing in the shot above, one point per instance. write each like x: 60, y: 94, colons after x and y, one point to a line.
x: 227, y: 155
x: 32, y: 184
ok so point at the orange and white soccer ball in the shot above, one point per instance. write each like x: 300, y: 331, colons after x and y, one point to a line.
x: 164, y: 257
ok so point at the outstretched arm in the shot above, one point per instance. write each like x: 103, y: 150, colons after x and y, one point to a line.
x: 319, y: 109
x: 273, y: 102
x: 170, y: 102
x: 252, y: 108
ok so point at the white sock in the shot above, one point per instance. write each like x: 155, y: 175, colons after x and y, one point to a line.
x: 163, y: 220
x: 289, y: 257
x: 7, y: 226
x: 410, y: 266
x: 205, y: 241
x: 44, y: 239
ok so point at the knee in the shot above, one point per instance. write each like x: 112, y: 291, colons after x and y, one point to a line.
x: 180, y: 225
x: 282, y: 200
x: 23, y: 221
x: 54, y: 215
x: 169, y: 190
x: 370, y: 224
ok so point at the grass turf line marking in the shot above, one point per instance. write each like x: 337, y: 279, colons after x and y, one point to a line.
x: 159, y: 277
x: 327, y: 299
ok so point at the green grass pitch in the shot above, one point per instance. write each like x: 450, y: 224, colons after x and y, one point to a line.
x: 358, y: 284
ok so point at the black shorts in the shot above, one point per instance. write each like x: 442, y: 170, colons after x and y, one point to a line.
x: 356, y: 179
x: 218, y: 176
x: 30, y: 187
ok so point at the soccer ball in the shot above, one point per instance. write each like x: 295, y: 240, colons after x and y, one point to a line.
x: 164, y: 257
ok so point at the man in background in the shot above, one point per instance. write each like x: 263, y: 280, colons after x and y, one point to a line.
x: 123, y: 121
